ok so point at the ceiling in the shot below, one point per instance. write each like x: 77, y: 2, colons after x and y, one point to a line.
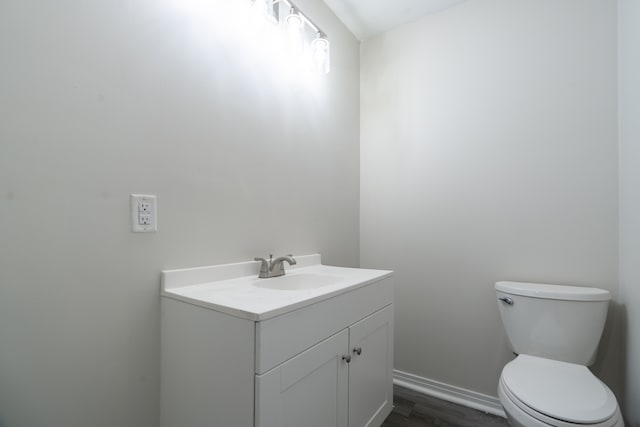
x: 366, y: 18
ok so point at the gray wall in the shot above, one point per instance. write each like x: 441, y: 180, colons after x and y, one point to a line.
x: 629, y: 108
x: 488, y: 152
x: 169, y: 97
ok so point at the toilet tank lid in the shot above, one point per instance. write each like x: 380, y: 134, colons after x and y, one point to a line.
x: 546, y: 291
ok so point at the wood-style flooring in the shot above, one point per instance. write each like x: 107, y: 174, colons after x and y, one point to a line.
x: 413, y: 409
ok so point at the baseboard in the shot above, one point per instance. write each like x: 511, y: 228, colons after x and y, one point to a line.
x: 450, y: 393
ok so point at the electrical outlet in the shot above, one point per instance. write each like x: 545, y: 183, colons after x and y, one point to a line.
x: 144, y: 213
x: 144, y: 219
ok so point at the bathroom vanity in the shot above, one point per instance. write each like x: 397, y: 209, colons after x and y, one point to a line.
x: 312, y: 348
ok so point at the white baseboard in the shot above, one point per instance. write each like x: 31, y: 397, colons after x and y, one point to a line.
x: 450, y: 393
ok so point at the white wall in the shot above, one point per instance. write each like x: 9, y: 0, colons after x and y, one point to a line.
x: 169, y: 97
x: 488, y: 152
x: 629, y: 110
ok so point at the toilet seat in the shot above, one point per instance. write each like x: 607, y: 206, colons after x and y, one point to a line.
x: 522, y: 415
x: 558, y: 393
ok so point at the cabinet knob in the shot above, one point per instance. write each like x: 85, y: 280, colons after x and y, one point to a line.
x: 357, y: 350
x: 346, y: 358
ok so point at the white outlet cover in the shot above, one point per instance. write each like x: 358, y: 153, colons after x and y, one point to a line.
x: 144, y: 213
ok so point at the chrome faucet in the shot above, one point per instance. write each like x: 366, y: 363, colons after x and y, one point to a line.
x: 274, y: 267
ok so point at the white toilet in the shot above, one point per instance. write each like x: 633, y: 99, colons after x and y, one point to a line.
x: 555, y: 331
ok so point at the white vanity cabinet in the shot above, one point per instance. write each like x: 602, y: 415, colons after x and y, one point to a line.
x: 320, y: 359
x: 345, y: 380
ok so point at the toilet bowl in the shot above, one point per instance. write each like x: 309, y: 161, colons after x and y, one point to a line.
x: 538, y: 392
x: 555, y: 331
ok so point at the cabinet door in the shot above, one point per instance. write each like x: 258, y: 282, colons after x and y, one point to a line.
x: 309, y: 390
x: 371, y: 369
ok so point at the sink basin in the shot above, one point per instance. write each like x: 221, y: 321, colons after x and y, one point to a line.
x: 298, y: 282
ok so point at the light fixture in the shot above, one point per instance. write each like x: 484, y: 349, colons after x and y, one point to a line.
x: 300, y: 40
x: 321, y: 53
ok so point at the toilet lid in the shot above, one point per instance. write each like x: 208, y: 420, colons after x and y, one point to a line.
x: 560, y: 390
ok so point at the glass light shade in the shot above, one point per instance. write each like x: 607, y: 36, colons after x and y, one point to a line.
x: 321, y: 54
x: 294, y: 19
x: 295, y: 27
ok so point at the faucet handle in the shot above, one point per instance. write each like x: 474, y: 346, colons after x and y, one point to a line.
x: 265, y: 264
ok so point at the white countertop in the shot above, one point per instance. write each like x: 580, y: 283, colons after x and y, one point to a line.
x: 235, y: 289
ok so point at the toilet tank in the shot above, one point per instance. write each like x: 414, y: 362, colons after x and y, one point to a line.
x: 553, y: 321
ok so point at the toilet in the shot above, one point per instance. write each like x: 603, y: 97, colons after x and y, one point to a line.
x: 555, y: 331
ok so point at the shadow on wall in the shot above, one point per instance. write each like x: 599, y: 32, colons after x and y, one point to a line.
x: 610, y: 366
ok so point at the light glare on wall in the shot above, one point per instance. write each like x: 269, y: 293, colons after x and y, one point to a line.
x: 265, y: 8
